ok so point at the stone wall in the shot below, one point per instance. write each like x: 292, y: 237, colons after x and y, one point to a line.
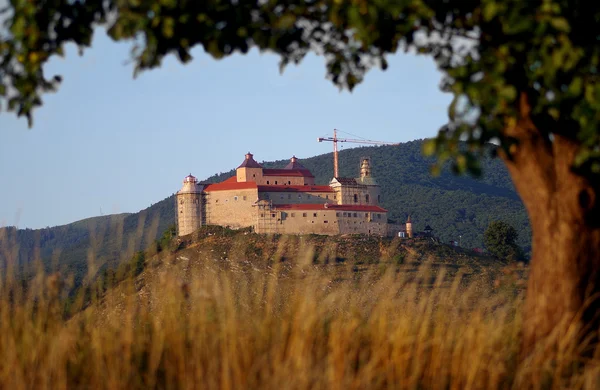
x: 327, y: 222
x: 298, y: 222
x: 360, y: 222
x: 189, y: 212
x: 277, y: 197
x: 233, y: 208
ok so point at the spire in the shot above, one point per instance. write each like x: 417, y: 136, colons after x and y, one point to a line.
x: 249, y: 162
x: 365, y: 167
x: 408, y: 220
x: 294, y: 164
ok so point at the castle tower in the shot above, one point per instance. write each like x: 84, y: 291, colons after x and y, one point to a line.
x: 189, y: 206
x: 409, y: 230
x: 365, y: 167
x: 249, y: 170
x: 373, y: 194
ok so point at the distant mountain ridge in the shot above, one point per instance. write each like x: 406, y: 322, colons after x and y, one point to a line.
x: 456, y: 207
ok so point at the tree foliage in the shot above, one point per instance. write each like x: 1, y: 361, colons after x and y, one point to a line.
x: 491, y: 52
x: 500, y: 240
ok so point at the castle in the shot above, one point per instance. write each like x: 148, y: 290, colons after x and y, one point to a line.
x: 286, y: 201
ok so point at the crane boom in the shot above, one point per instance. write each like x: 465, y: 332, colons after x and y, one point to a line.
x: 335, y: 140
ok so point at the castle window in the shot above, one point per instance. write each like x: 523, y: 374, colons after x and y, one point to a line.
x: 244, y: 197
x: 314, y: 214
x: 355, y: 215
x: 254, y: 175
x: 235, y: 198
x: 304, y: 214
x: 293, y: 215
x: 181, y: 201
x: 334, y: 197
x: 262, y: 215
x: 289, y: 182
x: 326, y: 196
x: 281, y: 197
x: 299, y: 196
x: 267, y: 182
x: 367, y: 198
x: 289, y: 196
x: 272, y: 215
x: 325, y: 222
x: 217, y: 201
x: 275, y: 181
x: 337, y: 214
x: 345, y: 215
x: 308, y: 196
x: 355, y: 198
x: 378, y: 198
x: 379, y: 216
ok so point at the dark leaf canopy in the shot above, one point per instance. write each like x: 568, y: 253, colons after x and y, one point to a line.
x: 493, y: 54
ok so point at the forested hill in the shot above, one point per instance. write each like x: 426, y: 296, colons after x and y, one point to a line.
x: 452, y: 205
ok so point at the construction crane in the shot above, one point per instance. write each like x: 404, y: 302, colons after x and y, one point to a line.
x: 335, y: 141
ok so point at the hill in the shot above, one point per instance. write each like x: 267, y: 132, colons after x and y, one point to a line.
x: 456, y: 207
x: 452, y: 205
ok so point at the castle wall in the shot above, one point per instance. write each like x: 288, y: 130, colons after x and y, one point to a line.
x: 345, y: 195
x: 287, y: 180
x: 189, y: 212
x: 298, y: 222
x: 327, y: 222
x: 249, y: 174
x: 298, y: 197
x: 233, y: 208
x: 372, y: 223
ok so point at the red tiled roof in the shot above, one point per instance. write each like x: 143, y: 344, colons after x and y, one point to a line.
x: 346, y: 180
x: 295, y: 189
x: 249, y: 162
x: 287, y: 172
x: 341, y: 207
x: 294, y: 164
x: 230, y: 184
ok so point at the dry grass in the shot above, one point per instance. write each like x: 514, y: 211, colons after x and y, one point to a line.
x: 197, y: 322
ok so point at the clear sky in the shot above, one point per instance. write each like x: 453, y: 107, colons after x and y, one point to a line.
x: 106, y: 142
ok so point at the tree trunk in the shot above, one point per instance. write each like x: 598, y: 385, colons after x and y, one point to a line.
x: 564, y: 211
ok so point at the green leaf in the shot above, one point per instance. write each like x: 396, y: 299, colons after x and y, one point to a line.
x: 429, y: 147
x: 286, y: 21
x: 560, y: 23
x: 576, y: 86
x: 490, y: 10
x: 508, y: 92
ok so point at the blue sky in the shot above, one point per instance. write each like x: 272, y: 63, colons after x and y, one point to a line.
x: 106, y: 142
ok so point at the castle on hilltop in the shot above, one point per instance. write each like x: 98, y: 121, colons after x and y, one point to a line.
x: 286, y: 201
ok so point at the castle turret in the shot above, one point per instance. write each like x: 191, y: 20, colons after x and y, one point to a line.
x: 365, y: 167
x: 249, y: 170
x: 409, y: 230
x: 189, y: 206
x: 373, y: 195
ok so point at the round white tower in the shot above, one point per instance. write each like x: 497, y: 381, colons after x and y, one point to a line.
x: 409, y: 230
x: 189, y: 206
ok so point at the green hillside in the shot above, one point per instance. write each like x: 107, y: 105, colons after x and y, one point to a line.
x: 452, y: 205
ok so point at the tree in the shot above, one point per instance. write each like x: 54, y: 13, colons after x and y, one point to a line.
x: 500, y: 240
x: 523, y: 74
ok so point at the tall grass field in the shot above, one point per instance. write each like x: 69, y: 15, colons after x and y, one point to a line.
x: 198, y: 319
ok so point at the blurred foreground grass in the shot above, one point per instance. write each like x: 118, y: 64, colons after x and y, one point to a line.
x: 192, y: 319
